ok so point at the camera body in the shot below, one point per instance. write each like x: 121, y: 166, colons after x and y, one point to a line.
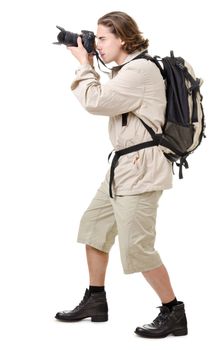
x: 70, y: 39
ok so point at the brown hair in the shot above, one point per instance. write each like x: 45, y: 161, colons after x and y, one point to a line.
x: 124, y: 27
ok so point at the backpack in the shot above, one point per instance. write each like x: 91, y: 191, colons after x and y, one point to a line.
x: 184, y: 124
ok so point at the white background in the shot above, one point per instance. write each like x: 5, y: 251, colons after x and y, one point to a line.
x: 53, y: 156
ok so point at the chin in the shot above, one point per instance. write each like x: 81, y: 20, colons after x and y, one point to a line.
x: 107, y: 61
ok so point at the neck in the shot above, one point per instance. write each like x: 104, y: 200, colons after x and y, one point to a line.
x: 121, y: 58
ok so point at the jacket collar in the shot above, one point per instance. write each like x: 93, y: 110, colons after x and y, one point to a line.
x: 128, y: 59
x: 133, y: 55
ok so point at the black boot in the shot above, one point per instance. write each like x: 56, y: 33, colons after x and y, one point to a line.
x: 167, y: 322
x: 93, y: 305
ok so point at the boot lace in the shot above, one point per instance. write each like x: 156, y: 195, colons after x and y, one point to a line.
x: 83, y: 301
x: 162, y: 317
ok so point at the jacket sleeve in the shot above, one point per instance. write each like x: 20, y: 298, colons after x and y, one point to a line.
x: 123, y: 93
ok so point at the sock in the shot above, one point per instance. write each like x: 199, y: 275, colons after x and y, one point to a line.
x: 171, y: 304
x: 96, y: 289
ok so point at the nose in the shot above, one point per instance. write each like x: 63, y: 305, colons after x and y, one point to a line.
x: 98, y: 45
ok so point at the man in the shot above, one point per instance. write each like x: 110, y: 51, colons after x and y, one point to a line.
x: 126, y: 202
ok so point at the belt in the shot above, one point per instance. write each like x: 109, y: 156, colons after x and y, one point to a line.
x: 124, y: 151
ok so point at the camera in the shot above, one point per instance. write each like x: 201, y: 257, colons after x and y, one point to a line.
x: 70, y: 39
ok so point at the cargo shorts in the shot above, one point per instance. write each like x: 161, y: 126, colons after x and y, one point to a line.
x: 132, y: 218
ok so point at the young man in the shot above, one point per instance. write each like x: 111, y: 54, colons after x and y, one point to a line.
x: 126, y: 203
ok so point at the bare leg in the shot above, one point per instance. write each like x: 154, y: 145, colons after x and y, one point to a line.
x: 159, y: 280
x: 97, y: 264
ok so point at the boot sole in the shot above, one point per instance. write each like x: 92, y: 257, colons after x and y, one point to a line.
x: 177, y: 333
x: 99, y: 318
x: 180, y: 332
x: 96, y: 318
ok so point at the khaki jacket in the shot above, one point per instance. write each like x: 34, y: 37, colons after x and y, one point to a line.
x: 137, y: 88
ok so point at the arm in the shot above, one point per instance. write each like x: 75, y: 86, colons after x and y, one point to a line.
x: 123, y: 93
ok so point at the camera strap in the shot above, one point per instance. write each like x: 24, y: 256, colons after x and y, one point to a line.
x: 115, y: 68
x: 100, y: 60
x: 143, y: 54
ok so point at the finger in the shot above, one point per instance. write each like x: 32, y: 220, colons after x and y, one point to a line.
x: 79, y: 41
x: 71, y: 48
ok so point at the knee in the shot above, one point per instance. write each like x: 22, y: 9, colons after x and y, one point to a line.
x: 91, y: 249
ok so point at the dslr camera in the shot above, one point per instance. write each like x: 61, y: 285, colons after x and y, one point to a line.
x: 70, y: 39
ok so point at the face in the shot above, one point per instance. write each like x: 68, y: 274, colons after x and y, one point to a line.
x: 109, y: 46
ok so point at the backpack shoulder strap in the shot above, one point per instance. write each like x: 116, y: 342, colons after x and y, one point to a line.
x: 155, y: 60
